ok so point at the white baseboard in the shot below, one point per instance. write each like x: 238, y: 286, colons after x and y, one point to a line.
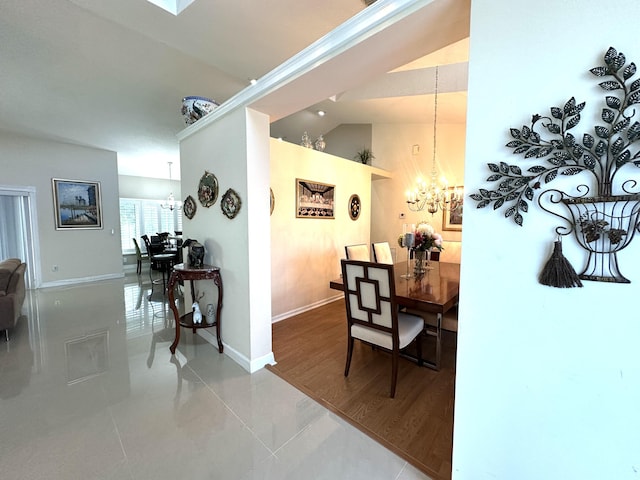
x: 75, y: 281
x: 250, y: 366
x: 306, y: 308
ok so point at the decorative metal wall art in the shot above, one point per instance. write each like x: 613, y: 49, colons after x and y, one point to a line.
x: 189, y: 207
x: 208, y: 189
x: 230, y: 203
x: 604, y: 215
x: 354, y: 207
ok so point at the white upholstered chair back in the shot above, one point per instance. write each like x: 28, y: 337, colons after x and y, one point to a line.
x: 369, y: 293
x: 382, y: 253
x: 358, y: 252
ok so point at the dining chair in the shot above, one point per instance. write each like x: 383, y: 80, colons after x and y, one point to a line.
x: 382, y: 253
x: 373, y: 316
x: 139, y: 256
x: 358, y: 252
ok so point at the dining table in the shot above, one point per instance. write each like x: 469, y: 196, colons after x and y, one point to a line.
x: 435, y: 292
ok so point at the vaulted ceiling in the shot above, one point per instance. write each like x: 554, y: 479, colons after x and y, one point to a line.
x: 112, y: 74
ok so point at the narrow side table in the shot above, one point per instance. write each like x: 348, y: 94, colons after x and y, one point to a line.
x: 182, y: 271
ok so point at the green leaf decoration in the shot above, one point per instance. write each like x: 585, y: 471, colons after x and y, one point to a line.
x: 498, y: 203
x: 523, y: 205
x: 556, y: 113
x: 493, y: 178
x: 511, y: 196
x: 504, y: 168
x: 537, y: 169
x: 532, y: 152
x: 619, y: 62
x: 515, y: 133
x: 599, y: 71
x: 525, y: 132
x: 635, y: 85
x: 483, y: 203
x: 513, y: 144
x: 515, y: 169
x: 493, y: 167
x: 571, y: 171
x: 544, y: 151
x: 509, y: 211
x: 476, y: 197
x: 601, y: 148
x: 569, y: 140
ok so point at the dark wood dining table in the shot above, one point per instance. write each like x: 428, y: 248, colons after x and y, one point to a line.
x: 435, y: 292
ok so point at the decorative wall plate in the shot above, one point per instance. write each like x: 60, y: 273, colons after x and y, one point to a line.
x: 189, y: 207
x: 230, y: 203
x: 208, y: 189
x: 272, y: 200
x: 354, y: 207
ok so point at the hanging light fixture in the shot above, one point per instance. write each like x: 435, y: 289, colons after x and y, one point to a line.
x: 171, y: 203
x: 435, y: 196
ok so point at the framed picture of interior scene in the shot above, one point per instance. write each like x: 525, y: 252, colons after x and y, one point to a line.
x: 452, y: 219
x: 314, y: 199
x: 77, y: 204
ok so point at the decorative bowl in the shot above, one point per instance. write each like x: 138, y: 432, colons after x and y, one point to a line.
x: 194, y: 108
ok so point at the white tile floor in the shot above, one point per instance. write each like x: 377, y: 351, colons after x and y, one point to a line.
x: 89, y: 390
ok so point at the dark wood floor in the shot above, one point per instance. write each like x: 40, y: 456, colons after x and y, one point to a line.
x: 417, y: 424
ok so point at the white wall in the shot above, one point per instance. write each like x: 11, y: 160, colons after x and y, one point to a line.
x: 81, y: 255
x: 148, y: 188
x: 306, y: 252
x: 235, y: 149
x: 393, y: 147
x: 548, y: 380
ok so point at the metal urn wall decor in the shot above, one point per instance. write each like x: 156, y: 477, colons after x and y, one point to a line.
x: 604, y: 215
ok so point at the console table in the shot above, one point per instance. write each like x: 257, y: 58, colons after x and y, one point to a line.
x: 182, y: 271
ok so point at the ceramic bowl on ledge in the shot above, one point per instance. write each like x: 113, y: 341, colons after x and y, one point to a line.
x: 194, y: 108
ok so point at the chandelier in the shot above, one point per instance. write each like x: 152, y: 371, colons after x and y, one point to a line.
x: 434, y: 196
x: 171, y: 203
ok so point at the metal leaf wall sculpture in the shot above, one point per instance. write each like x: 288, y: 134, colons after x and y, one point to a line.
x: 604, y: 221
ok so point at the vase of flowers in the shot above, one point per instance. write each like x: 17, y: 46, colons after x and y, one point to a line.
x: 425, y: 239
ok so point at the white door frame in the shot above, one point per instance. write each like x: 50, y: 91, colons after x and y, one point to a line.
x: 34, y: 272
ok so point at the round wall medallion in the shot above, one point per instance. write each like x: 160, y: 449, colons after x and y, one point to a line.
x: 273, y: 201
x: 208, y: 189
x: 189, y: 207
x: 354, y: 207
x: 230, y: 203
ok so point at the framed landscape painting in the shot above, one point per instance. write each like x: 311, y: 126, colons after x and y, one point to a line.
x: 314, y: 199
x: 452, y: 221
x: 77, y: 204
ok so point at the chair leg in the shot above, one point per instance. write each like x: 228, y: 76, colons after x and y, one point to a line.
x: 349, y: 353
x: 419, y: 347
x: 394, y: 372
x: 139, y: 267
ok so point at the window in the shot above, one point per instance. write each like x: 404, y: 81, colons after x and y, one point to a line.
x: 145, y: 217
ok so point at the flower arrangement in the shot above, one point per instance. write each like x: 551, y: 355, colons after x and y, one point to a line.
x: 426, y: 238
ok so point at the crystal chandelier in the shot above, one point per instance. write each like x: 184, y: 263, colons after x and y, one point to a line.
x: 435, y: 196
x: 171, y: 203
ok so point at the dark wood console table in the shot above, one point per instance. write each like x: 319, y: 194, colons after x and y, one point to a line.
x: 182, y: 271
